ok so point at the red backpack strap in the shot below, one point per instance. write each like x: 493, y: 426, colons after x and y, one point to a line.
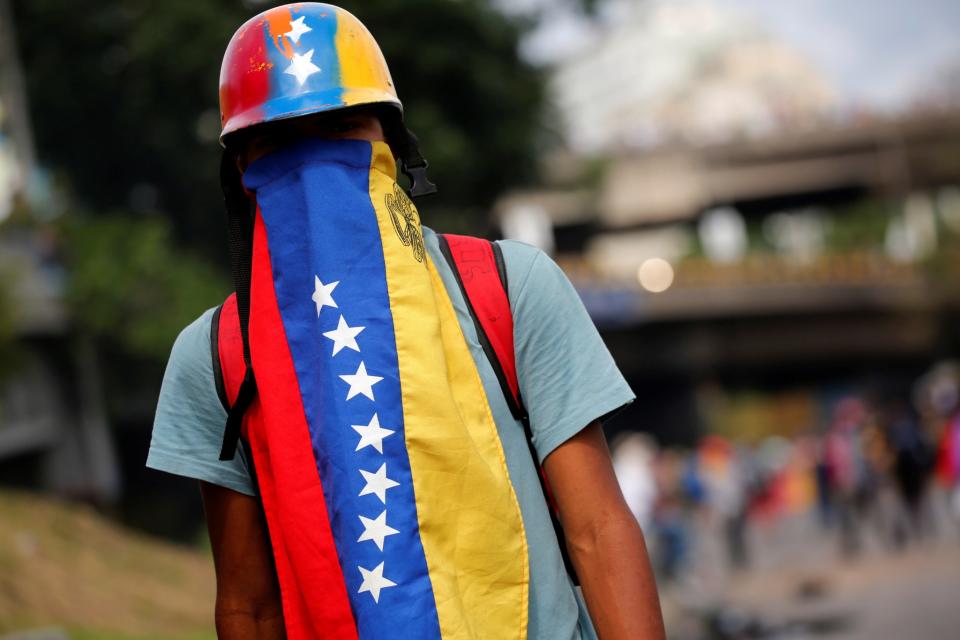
x: 229, y: 369
x: 479, y: 269
x: 226, y: 348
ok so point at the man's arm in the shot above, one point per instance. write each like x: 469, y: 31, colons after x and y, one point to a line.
x: 248, y: 595
x: 604, y: 540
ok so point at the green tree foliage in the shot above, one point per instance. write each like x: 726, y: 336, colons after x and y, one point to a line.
x: 124, y: 100
x: 131, y: 286
x: 118, y: 94
x: 860, y: 226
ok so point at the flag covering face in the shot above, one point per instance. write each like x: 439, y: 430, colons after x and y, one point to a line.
x: 382, y: 476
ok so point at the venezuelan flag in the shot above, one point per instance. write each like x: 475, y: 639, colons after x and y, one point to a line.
x: 383, y: 479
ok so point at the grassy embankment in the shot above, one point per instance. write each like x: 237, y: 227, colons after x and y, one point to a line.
x: 65, y: 567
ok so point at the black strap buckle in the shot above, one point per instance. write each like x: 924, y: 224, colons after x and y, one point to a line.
x: 420, y: 184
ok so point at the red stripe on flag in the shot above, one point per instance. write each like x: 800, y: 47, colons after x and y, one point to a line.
x: 315, y: 603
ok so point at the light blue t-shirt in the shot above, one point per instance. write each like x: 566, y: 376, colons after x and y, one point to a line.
x: 567, y: 380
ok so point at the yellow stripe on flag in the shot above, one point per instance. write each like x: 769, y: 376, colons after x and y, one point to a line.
x: 470, y: 521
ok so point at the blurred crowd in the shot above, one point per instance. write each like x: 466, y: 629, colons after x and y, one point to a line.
x: 878, y: 474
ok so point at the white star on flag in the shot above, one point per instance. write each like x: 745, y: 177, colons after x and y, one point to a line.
x: 323, y: 294
x: 344, y: 336
x: 371, y: 435
x: 297, y: 29
x: 360, y: 382
x: 376, y: 530
x: 302, y: 67
x: 373, y: 582
x: 378, y: 483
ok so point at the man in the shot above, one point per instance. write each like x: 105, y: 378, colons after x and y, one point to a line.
x: 395, y: 495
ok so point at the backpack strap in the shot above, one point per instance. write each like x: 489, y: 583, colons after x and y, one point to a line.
x: 477, y: 269
x: 229, y: 369
x: 241, y: 212
x: 215, y: 357
x: 226, y: 348
x: 480, y: 271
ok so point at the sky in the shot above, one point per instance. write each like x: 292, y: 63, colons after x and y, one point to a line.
x: 876, y: 53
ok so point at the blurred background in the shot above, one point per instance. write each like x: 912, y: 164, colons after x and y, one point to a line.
x: 759, y: 203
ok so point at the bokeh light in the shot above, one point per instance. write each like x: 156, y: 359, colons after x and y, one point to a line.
x: 655, y: 275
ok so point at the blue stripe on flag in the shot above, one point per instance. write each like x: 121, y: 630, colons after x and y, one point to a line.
x: 320, y: 223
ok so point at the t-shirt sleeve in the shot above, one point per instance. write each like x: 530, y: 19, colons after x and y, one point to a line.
x: 188, y: 426
x: 566, y: 374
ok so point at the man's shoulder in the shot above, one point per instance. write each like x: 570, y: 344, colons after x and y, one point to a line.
x: 191, y: 356
x: 515, y: 249
x: 188, y: 426
x: 520, y: 252
x: 193, y: 342
x: 521, y: 259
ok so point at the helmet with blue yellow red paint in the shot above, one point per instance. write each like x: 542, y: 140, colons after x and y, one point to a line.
x: 300, y: 59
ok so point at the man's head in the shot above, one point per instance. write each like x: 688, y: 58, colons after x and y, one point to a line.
x: 311, y: 70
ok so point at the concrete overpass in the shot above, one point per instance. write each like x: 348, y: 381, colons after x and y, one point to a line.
x: 666, y: 185
x: 765, y: 321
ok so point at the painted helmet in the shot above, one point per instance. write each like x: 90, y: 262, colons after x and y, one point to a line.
x: 300, y: 59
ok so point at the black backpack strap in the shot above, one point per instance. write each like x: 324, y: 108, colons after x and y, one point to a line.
x: 241, y: 213
x: 501, y: 267
x: 215, y: 357
x: 517, y: 408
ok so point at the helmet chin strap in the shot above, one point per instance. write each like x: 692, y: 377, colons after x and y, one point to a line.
x: 414, y: 166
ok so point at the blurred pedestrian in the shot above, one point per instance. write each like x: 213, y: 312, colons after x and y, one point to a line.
x: 846, y: 470
x: 937, y: 398
x: 948, y: 463
x: 912, y: 466
x: 673, y: 513
x: 726, y: 483
x: 633, y: 460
